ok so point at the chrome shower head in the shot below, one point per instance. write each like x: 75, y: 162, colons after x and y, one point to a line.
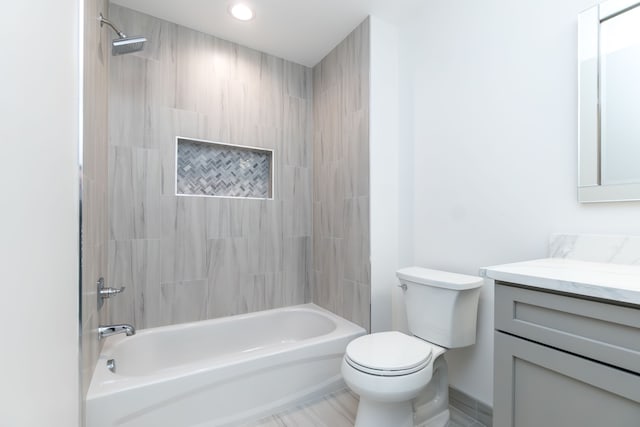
x: 123, y: 44
x: 127, y: 45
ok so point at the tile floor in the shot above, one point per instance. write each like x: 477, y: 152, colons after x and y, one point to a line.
x: 337, y: 410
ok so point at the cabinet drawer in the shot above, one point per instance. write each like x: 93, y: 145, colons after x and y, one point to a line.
x: 604, y: 332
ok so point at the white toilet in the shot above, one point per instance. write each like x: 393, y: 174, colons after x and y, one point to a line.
x: 390, y: 369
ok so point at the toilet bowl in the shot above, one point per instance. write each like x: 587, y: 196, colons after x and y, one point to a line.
x: 388, y: 370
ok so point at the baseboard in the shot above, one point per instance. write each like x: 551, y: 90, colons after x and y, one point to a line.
x: 471, y: 407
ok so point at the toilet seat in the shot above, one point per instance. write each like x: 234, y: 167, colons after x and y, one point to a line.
x: 388, y: 354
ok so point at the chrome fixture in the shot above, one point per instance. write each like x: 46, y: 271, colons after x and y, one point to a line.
x: 123, y: 44
x: 105, y: 292
x: 111, y: 365
x: 108, y: 330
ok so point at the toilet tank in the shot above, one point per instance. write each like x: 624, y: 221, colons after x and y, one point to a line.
x: 442, y: 307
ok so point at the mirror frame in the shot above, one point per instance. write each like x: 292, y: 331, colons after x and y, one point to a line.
x: 590, y: 188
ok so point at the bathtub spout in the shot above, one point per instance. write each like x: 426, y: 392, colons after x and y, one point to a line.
x: 108, y: 330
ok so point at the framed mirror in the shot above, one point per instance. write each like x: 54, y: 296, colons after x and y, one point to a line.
x: 609, y: 102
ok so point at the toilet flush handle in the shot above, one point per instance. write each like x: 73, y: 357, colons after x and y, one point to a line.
x: 403, y: 287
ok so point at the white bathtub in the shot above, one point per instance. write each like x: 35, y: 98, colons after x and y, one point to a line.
x: 219, y: 372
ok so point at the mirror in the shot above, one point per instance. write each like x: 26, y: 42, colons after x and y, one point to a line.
x: 609, y: 102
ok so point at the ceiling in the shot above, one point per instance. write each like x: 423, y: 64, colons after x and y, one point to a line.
x: 302, y: 31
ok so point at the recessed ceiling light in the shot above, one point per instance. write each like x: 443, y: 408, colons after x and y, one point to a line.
x: 241, y: 11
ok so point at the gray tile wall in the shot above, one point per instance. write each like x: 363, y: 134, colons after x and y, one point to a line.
x: 94, y: 180
x: 191, y: 258
x: 341, y: 279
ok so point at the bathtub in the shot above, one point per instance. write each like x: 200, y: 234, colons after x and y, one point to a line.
x: 219, y: 372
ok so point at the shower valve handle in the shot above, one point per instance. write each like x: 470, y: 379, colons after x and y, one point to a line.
x: 106, y: 292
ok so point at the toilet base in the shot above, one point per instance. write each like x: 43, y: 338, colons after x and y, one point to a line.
x: 440, y: 420
x: 381, y: 414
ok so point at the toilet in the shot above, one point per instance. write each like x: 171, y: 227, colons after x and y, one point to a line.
x: 388, y: 370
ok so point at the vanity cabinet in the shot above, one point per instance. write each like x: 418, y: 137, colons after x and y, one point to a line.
x: 562, y: 360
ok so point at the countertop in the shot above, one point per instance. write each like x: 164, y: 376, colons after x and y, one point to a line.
x: 615, y: 282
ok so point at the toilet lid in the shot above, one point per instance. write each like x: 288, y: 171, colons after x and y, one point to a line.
x: 388, y: 353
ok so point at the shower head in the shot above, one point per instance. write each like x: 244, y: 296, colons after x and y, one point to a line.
x: 127, y: 45
x: 123, y: 44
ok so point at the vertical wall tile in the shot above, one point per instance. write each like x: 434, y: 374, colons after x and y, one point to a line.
x: 271, y: 90
x: 135, y: 264
x: 356, y: 176
x: 244, y: 101
x: 121, y: 274
x: 134, y: 193
x: 194, y: 66
x: 295, y: 143
x: 297, y: 201
x: 266, y: 254
x: 127, y: 89
x: 320, y: 293
x: 163, y: 126
x: 260, y: 292
x: 162, y: 73
x: 183, y: 302
x: 340, y: 204
x: 227, y: 274
x: 297, y: 80
x: 331, y: 266
x: 356, y: 241
x: 356, y: 302
x: 230, y: 253
x: 183, y: 245
x: 94, y: 231
x: 297, y: 259
x: 231, y: 217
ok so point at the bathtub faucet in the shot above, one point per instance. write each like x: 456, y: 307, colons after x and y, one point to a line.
x: 108, y: 330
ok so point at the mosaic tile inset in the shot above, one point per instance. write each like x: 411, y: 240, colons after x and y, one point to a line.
x: 213, y: 169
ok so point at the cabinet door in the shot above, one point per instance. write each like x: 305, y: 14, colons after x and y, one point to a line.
x: 539, y: 386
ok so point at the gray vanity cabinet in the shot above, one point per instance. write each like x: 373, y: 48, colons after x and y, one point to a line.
x: 564, y: 361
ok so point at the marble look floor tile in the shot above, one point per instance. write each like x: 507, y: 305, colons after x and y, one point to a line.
x: 333, y: 410
x: 460, y: 419
x: 337, y: 409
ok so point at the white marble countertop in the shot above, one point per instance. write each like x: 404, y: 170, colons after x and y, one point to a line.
x: 615, y: 282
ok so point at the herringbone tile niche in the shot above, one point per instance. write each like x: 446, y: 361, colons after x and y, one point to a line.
x: 206, y: 168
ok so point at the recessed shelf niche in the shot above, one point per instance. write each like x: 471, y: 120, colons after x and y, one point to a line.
x: 215, y: 169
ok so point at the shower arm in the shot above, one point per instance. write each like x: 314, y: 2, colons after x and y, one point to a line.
x: 104, y: 20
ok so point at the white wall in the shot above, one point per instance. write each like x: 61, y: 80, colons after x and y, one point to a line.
x: 39, y: 216
x: 383, y: 168
x: 493, y: 119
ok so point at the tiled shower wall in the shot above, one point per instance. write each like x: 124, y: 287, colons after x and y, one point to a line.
x: 341, y: 268
x: 94, y: 179
x: 191, y: 258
